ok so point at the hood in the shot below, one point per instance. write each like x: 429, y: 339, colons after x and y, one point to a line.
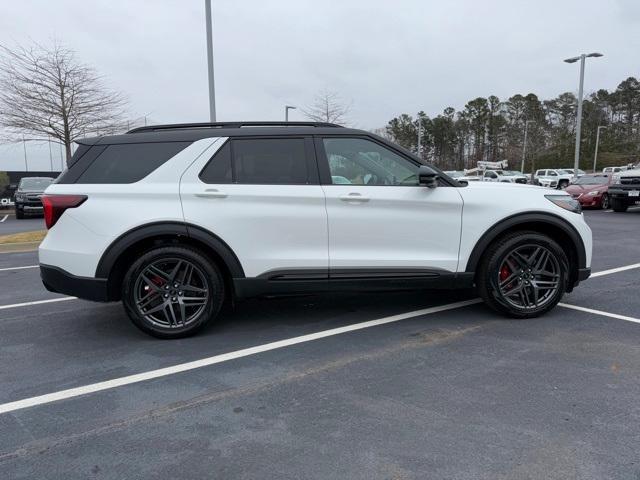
x: 629, y: 173
x: 585, y: 188
x: 30, y: 192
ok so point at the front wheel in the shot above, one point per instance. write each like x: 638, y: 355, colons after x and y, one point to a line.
x: 604, y: 203
x: 618, y: 205
x: 523, y: 275
x: 19, y: 214
x: 563, y: 184
x: 172, y: 292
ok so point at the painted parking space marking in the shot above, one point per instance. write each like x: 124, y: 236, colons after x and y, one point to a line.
x: 18, y: 268
x: 599, y: 312
x: 615, y: 270
x: 225, y: 357
x: 4, y: 218
x: 37, y: 302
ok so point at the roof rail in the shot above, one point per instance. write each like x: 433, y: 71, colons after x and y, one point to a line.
x: 178, y: 126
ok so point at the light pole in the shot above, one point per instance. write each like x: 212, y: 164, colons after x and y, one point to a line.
x: 286, y: 111
x: 582, y: 57
x: 212, y: 87
x: 524, y: 144
x: 419, y: 135
x: 595, y: 155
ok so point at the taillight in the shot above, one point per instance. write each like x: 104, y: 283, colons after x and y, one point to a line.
x: 55, y: 205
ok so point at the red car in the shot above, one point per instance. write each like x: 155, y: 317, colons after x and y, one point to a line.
x: 591, y: 190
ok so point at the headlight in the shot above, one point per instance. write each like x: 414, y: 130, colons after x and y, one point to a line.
x: 19, y: 197
x: 594, y: 193
x: 616, y: 179
x: 566, y: 202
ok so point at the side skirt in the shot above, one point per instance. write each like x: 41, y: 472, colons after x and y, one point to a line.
x: 294, y: 282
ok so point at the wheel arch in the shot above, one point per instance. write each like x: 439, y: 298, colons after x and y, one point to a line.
x: 116, y: 259
x: 552, y: 225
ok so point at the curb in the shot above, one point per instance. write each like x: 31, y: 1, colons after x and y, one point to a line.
x: 19, y: 247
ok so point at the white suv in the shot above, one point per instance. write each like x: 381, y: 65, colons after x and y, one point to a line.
x: 173, y: 220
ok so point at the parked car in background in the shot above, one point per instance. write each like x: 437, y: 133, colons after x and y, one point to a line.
x: 508, y: 176
x: 28, y: 196
x: 625, y: 190
x: 553, y: 178
x: 591, y: 190
x: 571, y: 171
x: 614, y: 169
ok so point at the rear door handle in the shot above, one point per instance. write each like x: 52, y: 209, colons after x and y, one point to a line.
x: 212, y: 193
x: 354, y: 197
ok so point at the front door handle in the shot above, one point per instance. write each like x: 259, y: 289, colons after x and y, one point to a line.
x: 354, y: 197
x: 212, y: 193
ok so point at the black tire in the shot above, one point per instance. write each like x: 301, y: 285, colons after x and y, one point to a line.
x: 618, y: 205
x: 604, y: 203
x: 498, y: 259
x: 563, y: 184
x: 156, y: 300
x: 19, y: 214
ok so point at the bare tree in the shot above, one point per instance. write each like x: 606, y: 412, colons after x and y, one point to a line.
x: 329, y: 107
x: 47, y: 93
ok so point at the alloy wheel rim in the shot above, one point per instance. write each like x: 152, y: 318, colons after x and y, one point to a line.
x: 171, y: 293
x: 528, y: 277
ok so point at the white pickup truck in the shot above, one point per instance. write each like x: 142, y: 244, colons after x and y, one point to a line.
x: 553, y: 178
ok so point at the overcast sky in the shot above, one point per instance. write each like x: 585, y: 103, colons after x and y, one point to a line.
x: 383, y: 57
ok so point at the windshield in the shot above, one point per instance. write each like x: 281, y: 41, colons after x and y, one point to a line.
x: 592, y: 180
x: 35, y: 183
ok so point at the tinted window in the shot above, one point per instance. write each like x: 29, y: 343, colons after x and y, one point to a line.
x: 128, y: 163
x: 218, y: 170
x: 270, y: 161
x: 362, y: 162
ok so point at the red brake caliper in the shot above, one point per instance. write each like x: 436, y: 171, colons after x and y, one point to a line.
x: 504, y: 273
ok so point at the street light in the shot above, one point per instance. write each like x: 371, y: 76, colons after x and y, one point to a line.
x: 582, y: 57
x: 212, y: 87
x: 286, y: 111
x: 595, y: 155
x: 524, y: 144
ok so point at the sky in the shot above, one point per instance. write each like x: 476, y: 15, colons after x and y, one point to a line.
x: 383, y: 58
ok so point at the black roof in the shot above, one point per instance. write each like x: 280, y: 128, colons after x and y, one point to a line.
x: 189, y: 132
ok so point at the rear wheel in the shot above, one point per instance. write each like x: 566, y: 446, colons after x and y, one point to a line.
x: 523, y: 275
x: 618, y: 205
x: 172, y: 292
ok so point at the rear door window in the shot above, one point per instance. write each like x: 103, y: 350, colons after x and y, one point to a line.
x: 273, y: 161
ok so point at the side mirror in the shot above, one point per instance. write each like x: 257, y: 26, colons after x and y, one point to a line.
x: 427, y: 176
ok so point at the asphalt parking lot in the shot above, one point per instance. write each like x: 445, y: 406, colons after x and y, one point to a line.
x: 434, y: 386
x: 9, y: 224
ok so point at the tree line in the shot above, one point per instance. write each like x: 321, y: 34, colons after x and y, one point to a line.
x: 489, y: 129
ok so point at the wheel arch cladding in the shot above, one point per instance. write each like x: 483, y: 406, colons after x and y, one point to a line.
x: 126, y: 248
x: 552, y: 225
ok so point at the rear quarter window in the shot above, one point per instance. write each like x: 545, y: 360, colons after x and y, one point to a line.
x: 130, y: 162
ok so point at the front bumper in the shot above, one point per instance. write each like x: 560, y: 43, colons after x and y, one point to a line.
x: 58, y: 280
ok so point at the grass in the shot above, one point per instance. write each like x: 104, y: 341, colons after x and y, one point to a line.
x: 23, y: 237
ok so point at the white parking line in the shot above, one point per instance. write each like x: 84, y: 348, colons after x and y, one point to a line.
x: 4, y: 218
x: 615, y: 270
x: 18, y: 268
x: 225, y: 357
x: 600, y: 312
x: 37, y: 302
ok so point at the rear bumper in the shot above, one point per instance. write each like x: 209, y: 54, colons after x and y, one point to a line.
x: 583, y: 274
x: 58, y: 280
